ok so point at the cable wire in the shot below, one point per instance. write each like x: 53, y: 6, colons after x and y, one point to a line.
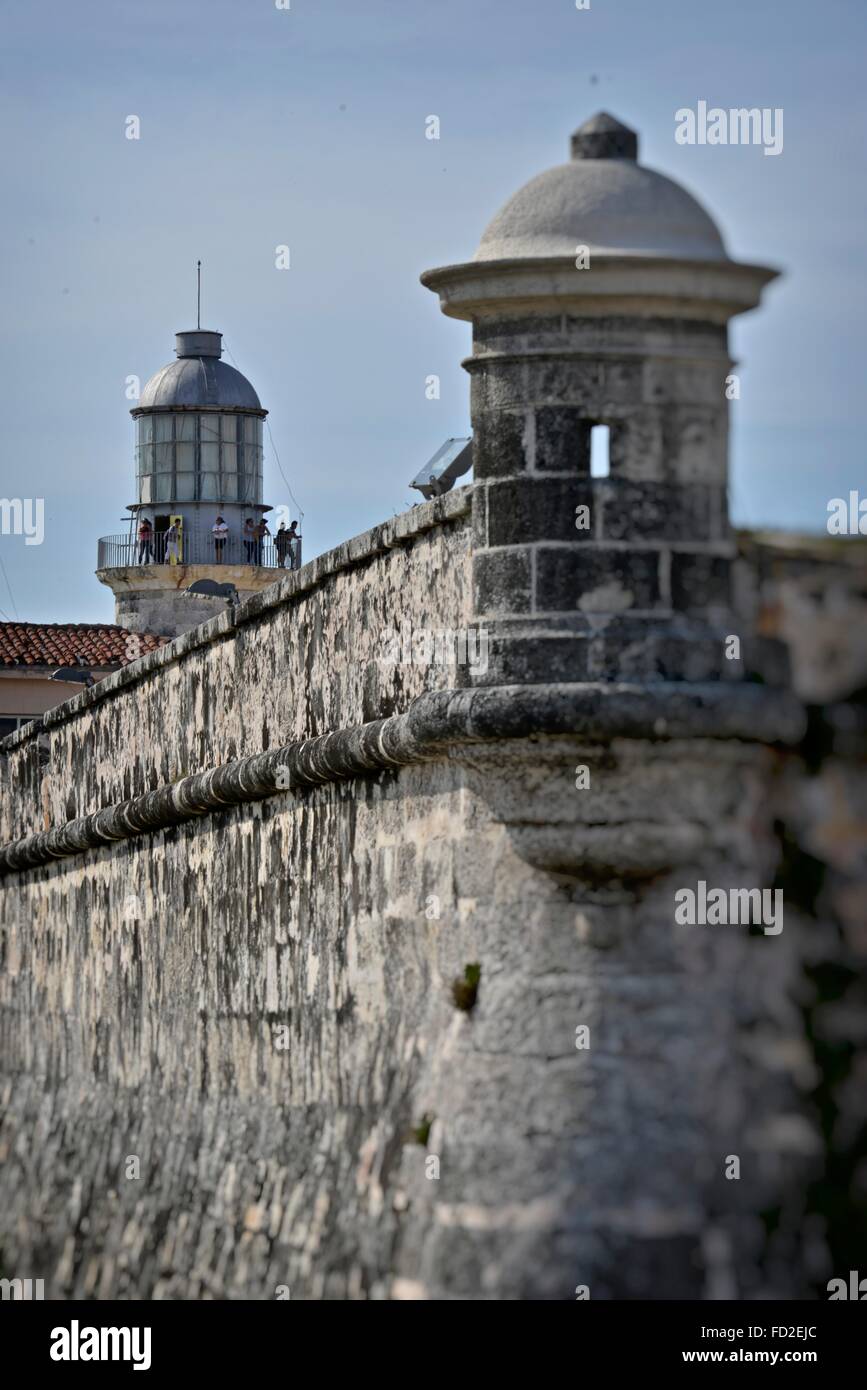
x: 292, y: 496
x: 11, y: 595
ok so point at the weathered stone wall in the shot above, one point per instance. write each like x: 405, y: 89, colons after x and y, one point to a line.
x: 258, y: 1004
x: 345, y: 916
x: 298, y: 660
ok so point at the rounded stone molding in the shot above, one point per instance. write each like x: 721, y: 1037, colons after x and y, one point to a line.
x: 436, y: 725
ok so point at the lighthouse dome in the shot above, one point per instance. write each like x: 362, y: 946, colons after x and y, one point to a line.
x: 198, y: 379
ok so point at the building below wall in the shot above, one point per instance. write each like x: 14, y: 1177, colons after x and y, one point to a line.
x: 36, y: 660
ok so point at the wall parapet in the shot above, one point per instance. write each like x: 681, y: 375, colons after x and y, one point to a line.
x: 434, y: 723
x: 399, y: 530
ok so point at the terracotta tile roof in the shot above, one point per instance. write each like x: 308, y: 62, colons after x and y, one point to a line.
x: 72, y: 644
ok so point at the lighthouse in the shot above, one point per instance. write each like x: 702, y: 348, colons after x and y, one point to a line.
x: 198, y: 464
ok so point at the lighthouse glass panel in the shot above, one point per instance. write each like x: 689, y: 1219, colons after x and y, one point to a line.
x: 185, y: 446
x: 228, y: 448
x: 199, y: 456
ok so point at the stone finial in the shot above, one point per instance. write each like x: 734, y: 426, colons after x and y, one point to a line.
x: 603, y: 137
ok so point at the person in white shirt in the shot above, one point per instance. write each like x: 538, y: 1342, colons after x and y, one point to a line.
x: 172, y: 538
x: 220, y: 531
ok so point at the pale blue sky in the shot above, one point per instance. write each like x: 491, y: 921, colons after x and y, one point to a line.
x: 306, y: 127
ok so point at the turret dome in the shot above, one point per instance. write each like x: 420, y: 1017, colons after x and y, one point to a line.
x: 605, y: 200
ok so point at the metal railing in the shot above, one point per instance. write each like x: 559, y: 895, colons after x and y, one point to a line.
x: 118, y: 552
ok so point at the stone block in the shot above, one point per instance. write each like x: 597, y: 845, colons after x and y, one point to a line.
x: 522, y: 510
x: 500, y: 385
x: 596, y: 580
x: 500, y: 441
x: 502, y: 581
x: 566, y: 381
x: 533, y: 658
x: 654, y: 511
x: 699, y: 581
x: 562, y: 440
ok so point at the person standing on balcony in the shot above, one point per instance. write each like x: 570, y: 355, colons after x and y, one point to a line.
x: 172, y: 538
x: 294, y: 545
x: 145, y: 542
x: 220, y: 531
x: 281, y: 545
x: 250, y: 539
x: 261, y: 532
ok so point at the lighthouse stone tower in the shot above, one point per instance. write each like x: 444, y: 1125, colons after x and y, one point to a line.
x: 198, y: 456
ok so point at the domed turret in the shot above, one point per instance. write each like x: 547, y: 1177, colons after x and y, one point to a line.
x: 599, y: 296
x: 605, y: 200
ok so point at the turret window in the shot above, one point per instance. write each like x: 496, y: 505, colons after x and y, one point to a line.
x: 599, y: 442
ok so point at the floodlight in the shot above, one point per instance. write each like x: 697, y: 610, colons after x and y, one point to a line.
x: 449, y: 463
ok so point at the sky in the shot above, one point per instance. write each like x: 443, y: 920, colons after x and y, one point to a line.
x: 305, y: 127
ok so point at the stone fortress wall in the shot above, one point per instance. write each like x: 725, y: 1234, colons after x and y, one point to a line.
x: 257, y: 1004
x: 359, y: 979
x: 294, y: 662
